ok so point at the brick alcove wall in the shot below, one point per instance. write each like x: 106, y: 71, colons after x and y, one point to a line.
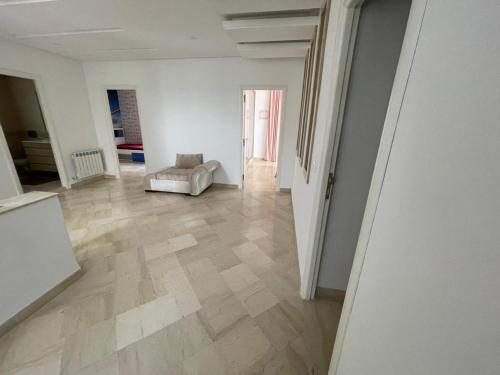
x: 130, y: 116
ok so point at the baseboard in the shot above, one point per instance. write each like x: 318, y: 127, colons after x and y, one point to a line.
x: 40, y: 302
x: 225, y: 186
x: 88, y: 181
x: 285, y: 190
x: 335, y: 294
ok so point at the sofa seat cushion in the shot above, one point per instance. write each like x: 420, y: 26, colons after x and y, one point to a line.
x: 175, y: 174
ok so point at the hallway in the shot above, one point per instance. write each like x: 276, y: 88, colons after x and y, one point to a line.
x: 179, y: 285
x: 260, y: 176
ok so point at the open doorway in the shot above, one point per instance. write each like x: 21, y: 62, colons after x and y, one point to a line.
x: 378, y: 40
x: 127, y: 130
x: 26, y: 135
x: 262, y: 112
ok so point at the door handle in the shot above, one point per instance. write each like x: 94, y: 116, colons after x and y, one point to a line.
x: 329, y: 185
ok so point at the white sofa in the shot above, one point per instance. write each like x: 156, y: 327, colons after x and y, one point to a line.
x: 189, y: 176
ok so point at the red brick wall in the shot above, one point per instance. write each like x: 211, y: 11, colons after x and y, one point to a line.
x: 130, y: 116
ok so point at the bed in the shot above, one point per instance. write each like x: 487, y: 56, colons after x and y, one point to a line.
x: 135, y: 150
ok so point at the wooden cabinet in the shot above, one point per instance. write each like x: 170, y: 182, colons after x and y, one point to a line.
x: 39, y: 154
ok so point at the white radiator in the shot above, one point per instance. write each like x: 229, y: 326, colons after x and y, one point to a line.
x: 88, y: 163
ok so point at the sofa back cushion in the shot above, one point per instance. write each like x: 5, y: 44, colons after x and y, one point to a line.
x: 188, y: 161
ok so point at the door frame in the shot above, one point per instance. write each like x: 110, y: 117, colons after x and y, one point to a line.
x: 279, y: 142
x: 110, y: 135
x: 246, y: 96
x: 351, y: 33
x: 343, y: 26
x: 244, y: 141
x: 49, y: 125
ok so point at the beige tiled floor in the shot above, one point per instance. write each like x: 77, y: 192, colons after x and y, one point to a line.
x: 54, y: 186
x: 260, y: 175
x: 175, y: 284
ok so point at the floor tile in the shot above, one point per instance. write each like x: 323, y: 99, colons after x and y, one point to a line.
x: 182, y: 242
x: 195, y: 223
x: 164, y: 351
x: 259, y: 264
x: 87, y: 312
x: 49, y: 364
x: 127, y: 265
x: 276, y: 327
x: 206, y: 281
x: 170, y: 246
x: 206, y: 362
x: 224, y: 259
x: 89, y: 346
x: 106, y: 366
x: 257, y: 298
x: 220, y: 314
x: 242, y: 346
x: 33, y: 339
x: 144, y: 320
x: 175, y: 283
x: 277, y: 363
x: 158, y: 314
x: 239, y: 277
x: 127, y: 295
x: 254, y: 257
x: 254, y: 234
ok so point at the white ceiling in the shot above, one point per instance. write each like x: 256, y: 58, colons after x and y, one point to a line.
x: 141, y: 29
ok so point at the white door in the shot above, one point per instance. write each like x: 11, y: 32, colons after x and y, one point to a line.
x: 249, y: 97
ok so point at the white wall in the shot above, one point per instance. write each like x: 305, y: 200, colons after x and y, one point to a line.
x: 427, y: 299
x: 63, y: 95
x: 194, y: 105
x: 8, y: 187
x: 261, y: 123
x: 36, y: 254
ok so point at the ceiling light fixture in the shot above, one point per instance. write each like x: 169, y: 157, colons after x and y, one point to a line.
x: 70, y: 33
x: 4, y: 3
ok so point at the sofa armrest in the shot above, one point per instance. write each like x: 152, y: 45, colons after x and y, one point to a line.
x: 209, y: 166
x: 202, y: 176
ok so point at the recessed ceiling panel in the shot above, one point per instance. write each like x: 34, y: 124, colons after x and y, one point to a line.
x: 271, y: 29
x: 224, y: 7
x: 273, y: 50
x: 274, y: 35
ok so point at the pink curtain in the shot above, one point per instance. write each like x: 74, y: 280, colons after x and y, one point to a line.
x: 274, y: 120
